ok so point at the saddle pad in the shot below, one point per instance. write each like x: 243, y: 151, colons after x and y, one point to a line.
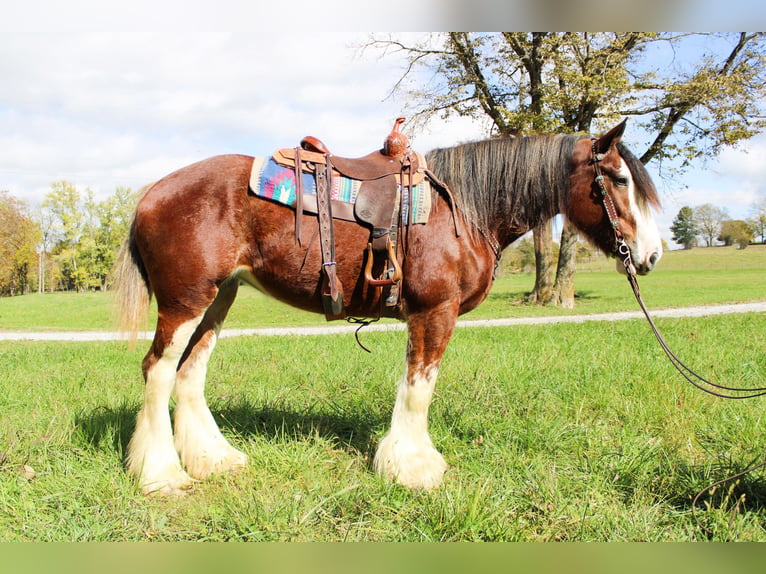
x: 270, y: 180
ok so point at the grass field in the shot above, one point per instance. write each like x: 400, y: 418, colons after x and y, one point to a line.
x: 572, y: 432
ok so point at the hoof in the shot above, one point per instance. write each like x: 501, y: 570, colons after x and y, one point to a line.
x: 417, y: 467
x: 179, y: 486
x: 229, y: 461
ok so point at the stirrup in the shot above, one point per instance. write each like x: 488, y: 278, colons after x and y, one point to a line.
x: 397, y: 275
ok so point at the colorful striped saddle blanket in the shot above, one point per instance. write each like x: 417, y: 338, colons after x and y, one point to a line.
x: 270, y: 180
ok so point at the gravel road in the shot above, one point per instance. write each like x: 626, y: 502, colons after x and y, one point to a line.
x: 332, y: 329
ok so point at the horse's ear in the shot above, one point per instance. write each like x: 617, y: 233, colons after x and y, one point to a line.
x: 611, y: 137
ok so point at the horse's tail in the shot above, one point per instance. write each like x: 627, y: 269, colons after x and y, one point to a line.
x: 132, y: 290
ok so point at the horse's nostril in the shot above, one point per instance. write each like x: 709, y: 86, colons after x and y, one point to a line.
x: 654, y: 258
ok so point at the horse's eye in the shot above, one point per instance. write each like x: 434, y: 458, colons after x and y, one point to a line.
x: 621, y: 180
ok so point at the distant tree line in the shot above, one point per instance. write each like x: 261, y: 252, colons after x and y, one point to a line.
x: 68, y: 243
x: 712, y: 224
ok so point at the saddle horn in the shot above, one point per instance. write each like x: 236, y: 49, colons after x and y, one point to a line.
x: 396, y: 143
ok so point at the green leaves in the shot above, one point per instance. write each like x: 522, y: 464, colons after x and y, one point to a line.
x: 86, y: 233
x: 693, y: 93
x: 684, y: 228
x: 18, y: 239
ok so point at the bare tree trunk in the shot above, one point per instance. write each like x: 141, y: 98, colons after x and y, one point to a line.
x: 41, y: 273
x: 542, y: 294
x: 563, y: 289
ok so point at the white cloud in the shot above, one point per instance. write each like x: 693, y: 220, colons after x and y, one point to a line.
x: 88, y: 106
x: 103, y: 109
x: 748, y: 163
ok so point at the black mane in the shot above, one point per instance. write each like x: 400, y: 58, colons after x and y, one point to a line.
x: 523, y: 180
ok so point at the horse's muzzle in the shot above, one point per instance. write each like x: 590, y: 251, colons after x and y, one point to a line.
x: 642, y: 266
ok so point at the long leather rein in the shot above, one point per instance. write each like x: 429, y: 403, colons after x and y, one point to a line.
x: 623, y: 251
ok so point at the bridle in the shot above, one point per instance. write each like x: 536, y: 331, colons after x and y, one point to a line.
x: 622, y: 250
x: 621, y: 247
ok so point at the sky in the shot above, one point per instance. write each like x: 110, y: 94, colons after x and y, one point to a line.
x: 123, y: 98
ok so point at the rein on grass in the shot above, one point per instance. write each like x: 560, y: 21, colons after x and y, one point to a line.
x: 691, y: 376
x: 695, y: 379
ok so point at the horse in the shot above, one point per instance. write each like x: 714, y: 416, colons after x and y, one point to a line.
x: 198, y: 233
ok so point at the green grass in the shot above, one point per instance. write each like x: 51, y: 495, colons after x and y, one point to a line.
x: 560, y: 432
x: 572, y: 432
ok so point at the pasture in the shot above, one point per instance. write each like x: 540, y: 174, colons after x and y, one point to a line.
x: 571, y: 432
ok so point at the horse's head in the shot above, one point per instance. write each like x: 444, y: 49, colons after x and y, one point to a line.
x: 611, y: 199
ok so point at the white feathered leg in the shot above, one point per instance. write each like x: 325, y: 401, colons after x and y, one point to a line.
x: 202, y: 447
x: 406, y: 454
x: 152, y: 456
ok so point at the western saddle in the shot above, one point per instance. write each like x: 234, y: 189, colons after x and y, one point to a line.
x: 378, y: 205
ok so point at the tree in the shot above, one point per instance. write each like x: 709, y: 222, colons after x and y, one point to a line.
x: 758, y: 220
x: 85, y: 234
x: 18, y: 239
x: 114, y: 216
x: 584, y: 252
x: 67, y: 211
x: 736, y: 231
x: 565, y: 270
x: 519, y: 258
x: 684, y: 228
x: 46, y: 225
x: 707, y: 220
x: 527, y: 83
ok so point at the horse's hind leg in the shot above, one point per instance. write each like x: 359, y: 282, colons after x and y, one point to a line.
x: 152, y: 456
x: 406, y: 454
x: 199, y: 442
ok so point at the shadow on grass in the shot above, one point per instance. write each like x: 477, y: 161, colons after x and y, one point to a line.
x: 746, y: 492
x: 716, y: 494
x: 712, y: 493
x: 509, y: 297
x: 522, y: 297
x: 110, y: 427
x: 353, y: 431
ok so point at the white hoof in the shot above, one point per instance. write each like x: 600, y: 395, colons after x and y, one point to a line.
x: 172, y: 482
x: 204, y: 464
x: 416, y: 466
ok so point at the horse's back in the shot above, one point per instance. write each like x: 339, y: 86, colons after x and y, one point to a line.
x: 209, y: 193
x: 205, y: 177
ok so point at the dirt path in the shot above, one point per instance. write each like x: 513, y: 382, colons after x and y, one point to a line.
x: 758, y: 307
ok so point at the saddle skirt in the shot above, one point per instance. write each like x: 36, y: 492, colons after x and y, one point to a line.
x: 273, y: 178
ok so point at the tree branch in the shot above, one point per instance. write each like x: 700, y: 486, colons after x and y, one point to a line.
x: 469, y: 60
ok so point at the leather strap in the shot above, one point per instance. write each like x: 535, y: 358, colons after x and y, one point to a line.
x: 622, y: 250
x: 332, y: 298
x: 406, y: 171
x: 298, y: 195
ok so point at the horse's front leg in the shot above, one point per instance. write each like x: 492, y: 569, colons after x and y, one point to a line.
x: 406, y: 454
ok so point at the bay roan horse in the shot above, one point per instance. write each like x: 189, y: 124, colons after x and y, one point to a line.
x: 199, y: 232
